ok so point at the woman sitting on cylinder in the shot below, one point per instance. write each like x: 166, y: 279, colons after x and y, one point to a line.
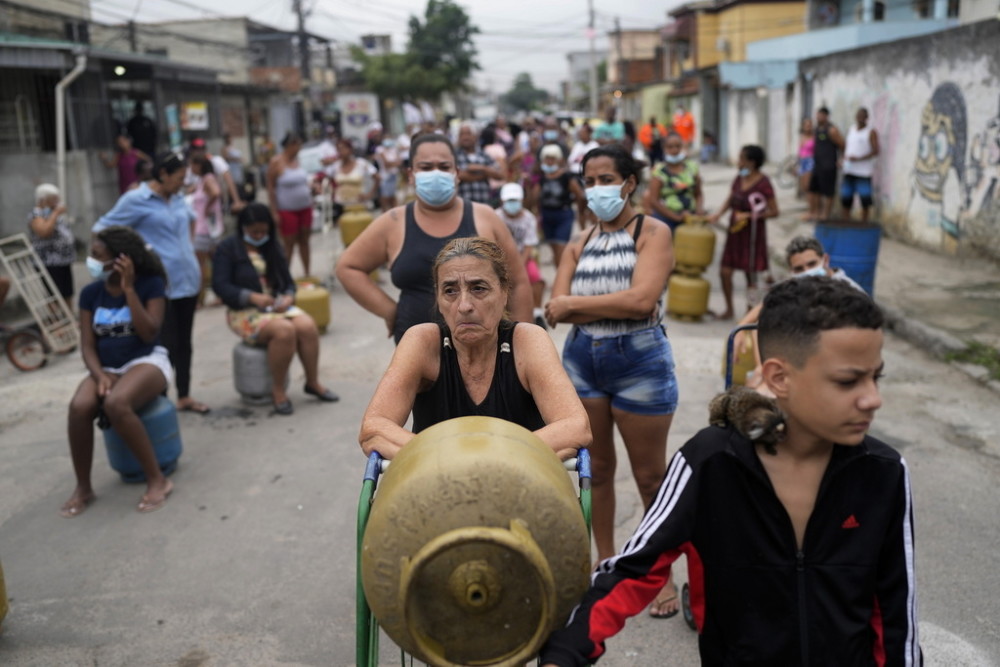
x: 250, y: 275
x: 121, y: 313
x: 476, y: 363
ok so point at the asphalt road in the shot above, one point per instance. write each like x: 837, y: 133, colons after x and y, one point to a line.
x: 251, y: 562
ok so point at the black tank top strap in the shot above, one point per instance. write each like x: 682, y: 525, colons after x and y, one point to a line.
x: 638, y: 227
x: 410, y: 219
x: 468, y: 223
x: 590, y: 234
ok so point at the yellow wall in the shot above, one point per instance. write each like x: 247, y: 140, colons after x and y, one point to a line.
x: 744, y: 23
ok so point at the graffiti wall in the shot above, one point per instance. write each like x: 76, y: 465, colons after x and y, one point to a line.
x: 935, y: 103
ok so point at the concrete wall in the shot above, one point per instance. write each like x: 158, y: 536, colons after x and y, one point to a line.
x: 223, y: 44
x: 935, y: 102
x: 91, y: 189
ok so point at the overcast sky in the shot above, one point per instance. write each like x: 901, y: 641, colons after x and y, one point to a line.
x: 517, y: 35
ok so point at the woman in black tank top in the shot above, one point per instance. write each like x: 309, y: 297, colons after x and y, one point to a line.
x: 476, y: 363
x: 408, y: 238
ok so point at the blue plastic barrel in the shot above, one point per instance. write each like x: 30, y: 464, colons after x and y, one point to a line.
x: 159, y: 416
x: 853, y: 247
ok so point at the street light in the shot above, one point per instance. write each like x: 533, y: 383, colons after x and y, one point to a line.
x: 119, y: 70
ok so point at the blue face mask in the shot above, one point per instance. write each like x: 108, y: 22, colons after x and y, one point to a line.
x: 512, y: 207
x: 744, y: 172
x: 674, y: 159
x: 550, y: 168
x: 605, y: 201
x: 435, y: 188
x: 97, y: 270
x: 550, y: 135
x: 819, y: 270
x: 256, y: 243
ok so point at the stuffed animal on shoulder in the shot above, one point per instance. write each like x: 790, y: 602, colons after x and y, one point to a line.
x: 754, y: 416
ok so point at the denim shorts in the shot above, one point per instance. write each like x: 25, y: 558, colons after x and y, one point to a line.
x: 636, y: 370
x: 557, y: 224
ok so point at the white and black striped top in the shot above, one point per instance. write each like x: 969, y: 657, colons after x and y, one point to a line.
x: 606, y: 264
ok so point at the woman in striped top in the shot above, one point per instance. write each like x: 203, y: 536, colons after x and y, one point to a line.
x: 609, y: 286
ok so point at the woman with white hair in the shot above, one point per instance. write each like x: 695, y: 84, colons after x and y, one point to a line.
x: 52, y: 239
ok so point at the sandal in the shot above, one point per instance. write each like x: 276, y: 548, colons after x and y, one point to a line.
x: 656, y: 607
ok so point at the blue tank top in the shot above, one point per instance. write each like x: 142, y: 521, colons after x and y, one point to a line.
x: 448, y: 398
x: 411, y: 272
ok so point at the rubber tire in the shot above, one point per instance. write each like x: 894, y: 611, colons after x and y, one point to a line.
x: 18, y: 342
x: 686, y: 608
x: 787, y: 174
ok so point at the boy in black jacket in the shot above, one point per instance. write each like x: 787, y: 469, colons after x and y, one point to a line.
x: 802, y: 557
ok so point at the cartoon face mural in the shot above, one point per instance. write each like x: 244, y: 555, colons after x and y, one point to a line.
x: 983, y: 173
x: 939, y: 170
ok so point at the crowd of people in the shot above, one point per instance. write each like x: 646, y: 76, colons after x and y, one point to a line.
x: 469, y: 326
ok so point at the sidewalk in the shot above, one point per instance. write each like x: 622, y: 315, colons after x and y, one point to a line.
x: 943, y: 304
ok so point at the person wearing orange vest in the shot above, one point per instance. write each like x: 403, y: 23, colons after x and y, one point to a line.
x: 684, y: 124
x: 650, y: 136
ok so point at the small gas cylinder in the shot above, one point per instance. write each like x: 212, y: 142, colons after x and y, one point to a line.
x: 476, y: 548
x: 694, y: 246
x: 159, y: 417
x: 743, y: 363
x: 354, y: 220
x: 252, y: 375
x: 687, y: 297
x: 315, y: 300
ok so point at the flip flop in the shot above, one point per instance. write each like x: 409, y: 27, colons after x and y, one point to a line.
x: 77, y: 509
x: 145, y: 506
x: 658, y: 604
x: 196, y: 407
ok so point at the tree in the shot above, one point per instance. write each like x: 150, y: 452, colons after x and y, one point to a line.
x: 439, y: 57
x: 523, y: 96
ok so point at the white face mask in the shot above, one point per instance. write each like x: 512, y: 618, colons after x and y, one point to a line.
x: 818, y: 270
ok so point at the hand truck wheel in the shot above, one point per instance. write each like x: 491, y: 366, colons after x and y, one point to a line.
x: 686, y: 608
x: 26, y: 350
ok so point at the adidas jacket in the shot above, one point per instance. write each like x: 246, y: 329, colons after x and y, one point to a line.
x: 846, y: 599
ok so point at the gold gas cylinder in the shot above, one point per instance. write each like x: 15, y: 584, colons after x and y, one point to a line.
x: 354, y: 220
x: 476, y: 548
x: 313, y: 298
x: 743, y: 363
x: 694, y: 246
x: 687, y: 297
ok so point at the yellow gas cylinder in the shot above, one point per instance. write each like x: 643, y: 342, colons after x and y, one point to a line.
x: 315, y: 300
x: 3, y: 599
x: 743, y: 363
x: 476, y: 548
x: 354, y: 220
x: 694, y: 246
x: 687, y: 297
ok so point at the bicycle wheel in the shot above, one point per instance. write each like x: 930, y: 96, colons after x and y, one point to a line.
x: 788, y: 172
x: 26, y: 350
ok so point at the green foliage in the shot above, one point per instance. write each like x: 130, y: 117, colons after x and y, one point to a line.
x: 523, y: 96
x: 439, y: 57
x: 984, y: 355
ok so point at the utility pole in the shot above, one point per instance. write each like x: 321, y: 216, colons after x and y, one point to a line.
x: 304, y: 67
x: 593, y: 62
x: 131, y: 37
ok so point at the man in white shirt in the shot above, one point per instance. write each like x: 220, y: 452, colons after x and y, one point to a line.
x: 860, y: 150
x: 584, y: 143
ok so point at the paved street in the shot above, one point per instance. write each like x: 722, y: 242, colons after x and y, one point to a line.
x: 251, y: 562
